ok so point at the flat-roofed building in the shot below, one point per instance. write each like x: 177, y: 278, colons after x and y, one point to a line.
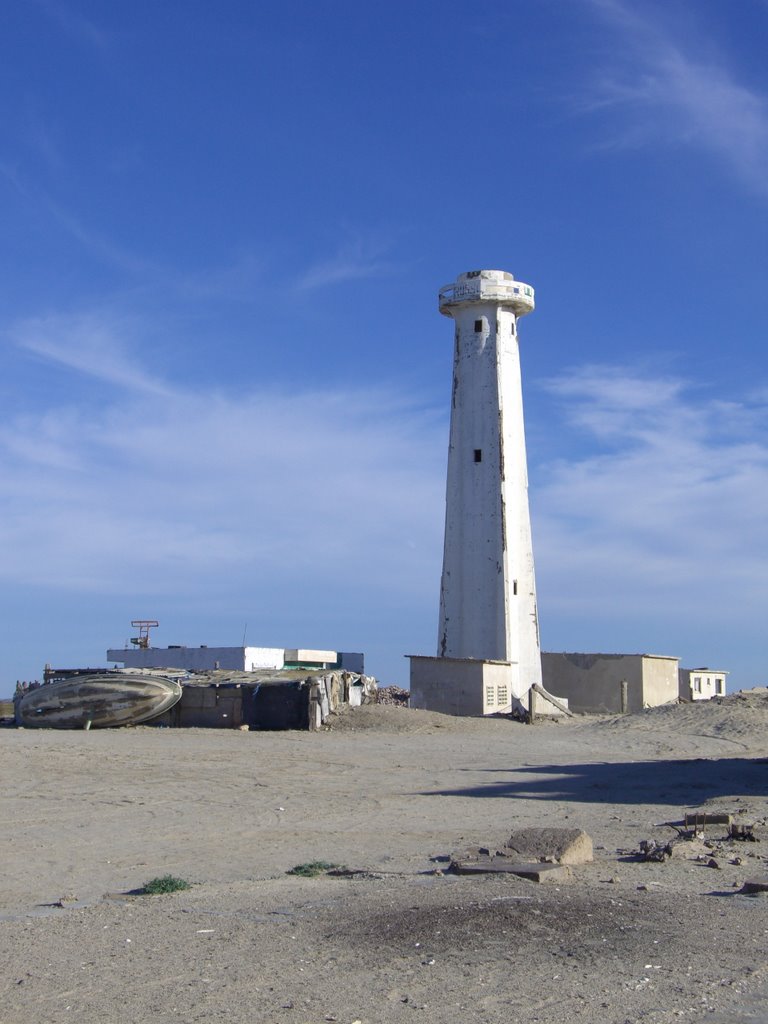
x: 235, y: 659
x: 701, y: 683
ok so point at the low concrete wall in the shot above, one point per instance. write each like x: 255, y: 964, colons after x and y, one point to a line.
x: 593, y: 682
x: 660, y: 680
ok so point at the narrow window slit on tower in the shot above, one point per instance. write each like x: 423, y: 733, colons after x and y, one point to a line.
x: 514, y: 587
x: 478, y: 454
x: 478, y: 326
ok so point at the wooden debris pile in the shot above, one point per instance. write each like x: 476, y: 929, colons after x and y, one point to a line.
x: 692, y: 843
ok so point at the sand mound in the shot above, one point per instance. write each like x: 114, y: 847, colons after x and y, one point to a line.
x: 396, y: 719
x: 739, y: 716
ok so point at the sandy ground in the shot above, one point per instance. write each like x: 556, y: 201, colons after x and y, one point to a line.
x: 89, y: 816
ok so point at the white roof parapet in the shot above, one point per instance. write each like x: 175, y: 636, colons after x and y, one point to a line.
x: 497, y: 286
x: 305, y: 654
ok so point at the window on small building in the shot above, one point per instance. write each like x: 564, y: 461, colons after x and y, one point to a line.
x: 478, y: 454
x: 697, y: 684
x: 490, y: 696
x: 720, y: 686
x: 502, y: 695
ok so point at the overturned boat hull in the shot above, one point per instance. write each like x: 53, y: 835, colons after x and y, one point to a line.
x: 98, y: 701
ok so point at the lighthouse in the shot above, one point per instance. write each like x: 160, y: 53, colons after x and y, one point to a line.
x: 488, y: 635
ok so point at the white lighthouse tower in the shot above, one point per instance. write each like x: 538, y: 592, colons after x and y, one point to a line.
x: 488, y: 595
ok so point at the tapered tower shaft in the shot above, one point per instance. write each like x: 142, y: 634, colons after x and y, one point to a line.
x: 488, y: 593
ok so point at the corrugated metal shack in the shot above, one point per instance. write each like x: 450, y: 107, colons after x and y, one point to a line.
x: 265, y: 699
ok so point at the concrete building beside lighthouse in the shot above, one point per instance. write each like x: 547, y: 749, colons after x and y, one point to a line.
x: 489, y: 654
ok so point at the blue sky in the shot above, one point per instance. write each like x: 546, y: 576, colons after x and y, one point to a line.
x: 224, y: 380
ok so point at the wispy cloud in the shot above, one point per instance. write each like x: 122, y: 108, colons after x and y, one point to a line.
x: 357, y: 259
x: 243, y: 279
x: 213, y: 498
x: 204, y: 492
x: 665, y: 516
x: 74, y: 23
x: 91, y: 344
x: 90, y: 238
x: 665, y: 91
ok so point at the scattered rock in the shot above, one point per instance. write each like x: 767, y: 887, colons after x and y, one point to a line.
x: 743, y: 833
x: 689, y: 849
x: 393, y: 695
x: 652, y: 850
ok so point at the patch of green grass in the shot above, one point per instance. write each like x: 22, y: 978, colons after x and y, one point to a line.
x: 164, y: 884
x: 312, y: 869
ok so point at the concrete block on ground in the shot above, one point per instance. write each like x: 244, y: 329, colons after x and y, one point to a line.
x: 756, y: 884
x: 562, y: 845
x: 538, y: 872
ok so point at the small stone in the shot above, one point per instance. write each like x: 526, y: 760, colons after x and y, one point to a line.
x: 712, y: 863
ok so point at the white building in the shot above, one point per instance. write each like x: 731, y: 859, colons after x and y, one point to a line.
x: 238, y: 659
x: 701, y: 683
x: 488, y: 593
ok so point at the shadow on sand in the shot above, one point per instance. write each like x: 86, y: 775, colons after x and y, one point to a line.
x: 685, y: 782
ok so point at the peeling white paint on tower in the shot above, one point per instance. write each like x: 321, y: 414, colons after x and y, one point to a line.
x: 488, y: 592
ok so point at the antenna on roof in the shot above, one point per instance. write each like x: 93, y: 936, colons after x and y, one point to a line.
x: 144, y: 625
x: 245, y: 633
